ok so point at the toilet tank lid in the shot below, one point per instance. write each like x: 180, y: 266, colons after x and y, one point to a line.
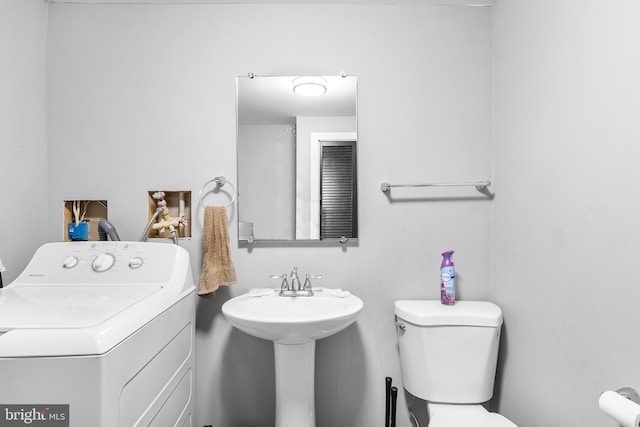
x: 462, y: 313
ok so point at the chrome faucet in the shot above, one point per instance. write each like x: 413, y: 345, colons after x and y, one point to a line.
x: 295, y: 280
x: 293, y: 287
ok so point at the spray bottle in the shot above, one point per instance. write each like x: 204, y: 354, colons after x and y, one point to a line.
x: 447, y: 279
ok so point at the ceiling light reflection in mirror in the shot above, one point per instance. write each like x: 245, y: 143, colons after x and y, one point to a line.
x: 309, y: 86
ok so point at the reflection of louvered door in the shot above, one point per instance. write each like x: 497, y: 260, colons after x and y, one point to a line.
x: 338, y: 201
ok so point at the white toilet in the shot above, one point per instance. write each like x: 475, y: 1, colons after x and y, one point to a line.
x: 448, y: 355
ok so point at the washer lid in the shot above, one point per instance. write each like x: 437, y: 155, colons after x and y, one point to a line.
x: 64, y: 307
x: 462, y: 313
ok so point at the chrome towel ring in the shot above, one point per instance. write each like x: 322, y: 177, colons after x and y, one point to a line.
x: 220, y: 181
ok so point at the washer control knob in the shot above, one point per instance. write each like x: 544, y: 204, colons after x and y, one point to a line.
x: 69, y: 262
x: 136, y: 262
x: 103, y: 262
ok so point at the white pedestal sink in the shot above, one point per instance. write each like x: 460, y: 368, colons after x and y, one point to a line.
x: 293, y: 324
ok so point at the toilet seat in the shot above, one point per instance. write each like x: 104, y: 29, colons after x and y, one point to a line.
x: 452, y: 415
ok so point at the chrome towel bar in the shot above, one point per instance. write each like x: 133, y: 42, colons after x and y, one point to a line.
x: 480, y: 185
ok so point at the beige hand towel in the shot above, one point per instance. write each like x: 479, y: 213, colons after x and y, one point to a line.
x: 217, y: 265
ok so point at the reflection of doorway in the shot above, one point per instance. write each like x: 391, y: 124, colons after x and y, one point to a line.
x: 311, y: 224
x: 338, y: 201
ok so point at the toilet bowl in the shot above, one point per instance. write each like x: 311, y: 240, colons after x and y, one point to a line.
x: 448, y: 357
x: 456, y: 415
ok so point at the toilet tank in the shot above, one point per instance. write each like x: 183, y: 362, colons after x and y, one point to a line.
x: 448, y: 353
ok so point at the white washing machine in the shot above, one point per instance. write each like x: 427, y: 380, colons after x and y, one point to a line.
x: 106, y: 328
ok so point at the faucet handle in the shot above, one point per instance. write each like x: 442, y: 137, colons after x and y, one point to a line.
x: 285, y: 285
x: 307, y: 282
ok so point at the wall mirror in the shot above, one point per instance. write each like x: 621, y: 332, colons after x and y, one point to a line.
x: 297, y: 175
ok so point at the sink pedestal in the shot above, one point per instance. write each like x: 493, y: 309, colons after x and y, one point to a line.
x: 295, y: 400
x: 293, y: 324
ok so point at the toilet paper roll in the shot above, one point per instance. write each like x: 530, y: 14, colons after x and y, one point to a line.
x: 620, y: 408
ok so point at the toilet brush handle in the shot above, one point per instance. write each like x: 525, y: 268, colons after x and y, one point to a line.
x: 394, y: 398
x: 387, y: 412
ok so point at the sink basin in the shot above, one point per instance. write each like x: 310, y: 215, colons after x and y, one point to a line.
x: 292, y: 320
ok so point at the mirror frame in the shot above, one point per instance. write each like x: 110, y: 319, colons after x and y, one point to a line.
x: 262, y: 242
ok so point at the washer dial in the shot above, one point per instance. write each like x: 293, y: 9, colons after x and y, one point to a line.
x: 69, y: 262
x: 135, y: 262
x: 103, y: 262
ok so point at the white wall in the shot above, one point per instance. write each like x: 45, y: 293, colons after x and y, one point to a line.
x: 23, y: 131
x: 145, y: 95
x: 566, y: 236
